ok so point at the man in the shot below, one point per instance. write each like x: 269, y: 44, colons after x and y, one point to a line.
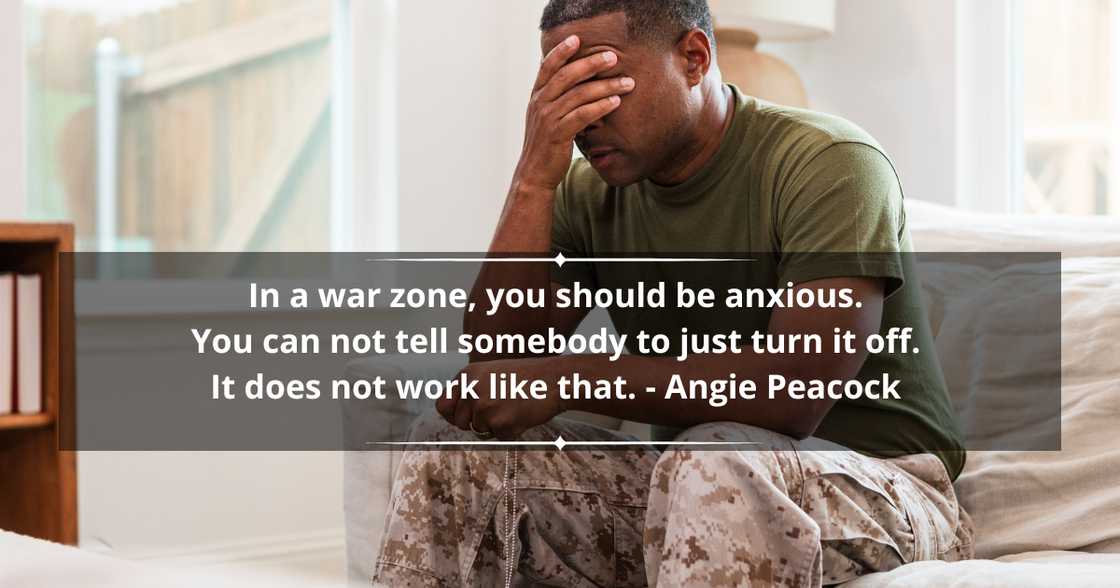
x: 677, y: 161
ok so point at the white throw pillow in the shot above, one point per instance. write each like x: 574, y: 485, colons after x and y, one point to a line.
x: 1064, y: 500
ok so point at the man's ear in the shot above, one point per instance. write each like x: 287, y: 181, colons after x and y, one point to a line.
x: 696, y: 49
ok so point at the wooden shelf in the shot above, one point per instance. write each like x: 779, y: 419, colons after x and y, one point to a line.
x: 13, y: 422
x: 38, y: 480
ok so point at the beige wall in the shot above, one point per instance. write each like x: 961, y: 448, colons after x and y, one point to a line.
x: 466, y: 70
x: 891, y: 68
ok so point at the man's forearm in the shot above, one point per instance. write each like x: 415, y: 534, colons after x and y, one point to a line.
x: 525, y: 227
x: 567, y: 97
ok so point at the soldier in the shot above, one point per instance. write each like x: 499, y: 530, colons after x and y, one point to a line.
x: 675, y: 160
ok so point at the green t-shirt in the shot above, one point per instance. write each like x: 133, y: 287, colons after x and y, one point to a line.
x: 786, y: 185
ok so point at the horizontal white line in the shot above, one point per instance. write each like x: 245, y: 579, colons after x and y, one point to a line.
x: 564, y: 260
x: 554, y: 443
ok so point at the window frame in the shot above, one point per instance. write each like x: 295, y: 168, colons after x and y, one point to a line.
x: 374, y: 200
x: 363, y: 195
x: 1114, y: 131
x: 363, y: 181
x: 989, y: 105
x: 991, y: 117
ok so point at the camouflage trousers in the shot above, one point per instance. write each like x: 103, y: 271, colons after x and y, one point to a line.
x: 782, y: 513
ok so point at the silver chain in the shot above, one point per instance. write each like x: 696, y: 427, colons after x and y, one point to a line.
x: 509, y: 525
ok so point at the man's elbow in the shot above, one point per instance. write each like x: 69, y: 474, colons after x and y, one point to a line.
x: 798, y: 424
x: 809, y: 414
x: 803, y: 428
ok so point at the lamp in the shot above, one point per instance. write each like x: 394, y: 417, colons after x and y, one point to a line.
x: 741, y: 24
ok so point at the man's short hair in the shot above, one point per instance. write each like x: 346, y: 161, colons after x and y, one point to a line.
x: 658, y: 20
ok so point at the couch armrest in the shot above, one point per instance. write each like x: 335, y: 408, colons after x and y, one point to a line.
x: 368, y: 475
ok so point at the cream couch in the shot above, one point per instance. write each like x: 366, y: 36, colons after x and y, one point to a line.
x: 1043, y: 519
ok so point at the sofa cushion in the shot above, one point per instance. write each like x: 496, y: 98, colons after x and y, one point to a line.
x: 934, y: 227
x: 1032, y: 501
x: 1026, y: 570
x: 1026, y: 501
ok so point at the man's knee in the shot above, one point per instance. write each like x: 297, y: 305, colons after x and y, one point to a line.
x: 756, y: 456
x: 424, y: 466
x: 431, y: 426
x: 745, y: 436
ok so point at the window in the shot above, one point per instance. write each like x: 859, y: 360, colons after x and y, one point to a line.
x: 186, y: 125
x: 1071, y: 119
x: 1039, y: 106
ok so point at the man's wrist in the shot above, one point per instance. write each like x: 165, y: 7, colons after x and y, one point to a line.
x: 562, y: 367
x: 524, y: 190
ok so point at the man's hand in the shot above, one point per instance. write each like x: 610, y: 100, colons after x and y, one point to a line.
x: 505, y: 419
x: 567, y: 98
x: 563, y: 104
x: 565, y: 101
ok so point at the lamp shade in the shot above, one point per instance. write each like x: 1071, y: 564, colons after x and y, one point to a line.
x: 777, y: 20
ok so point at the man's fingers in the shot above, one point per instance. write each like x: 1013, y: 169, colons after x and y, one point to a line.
x: 590, y: 92
x: 577, y: 72
x: 509, y: 433
x: 578, y: 119
x: 463, y: 414
x: 446, y: 408
x: 503, y: 427
x: 555, y: 60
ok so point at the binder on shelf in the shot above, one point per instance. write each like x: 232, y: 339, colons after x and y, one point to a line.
x: 29, y: 344
x: 7, y: 343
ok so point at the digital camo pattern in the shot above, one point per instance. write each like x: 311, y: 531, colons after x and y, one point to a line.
x: 785, y: 513
x: 790, y: 513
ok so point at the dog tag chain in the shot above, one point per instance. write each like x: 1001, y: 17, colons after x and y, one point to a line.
x: 509, y: 525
